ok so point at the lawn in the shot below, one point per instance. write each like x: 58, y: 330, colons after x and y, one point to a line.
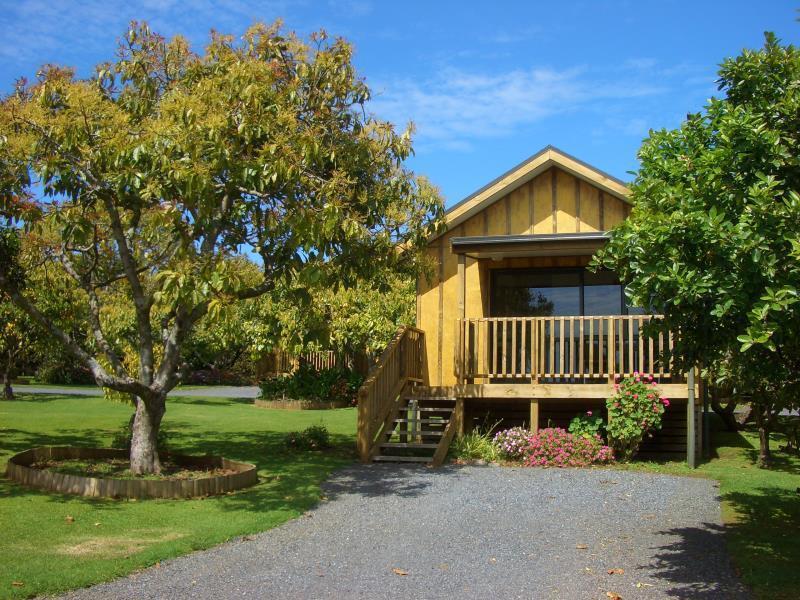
x: 761, y: 509
x: 46, y: 552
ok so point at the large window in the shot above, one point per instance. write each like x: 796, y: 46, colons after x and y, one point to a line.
x: 556, y: 292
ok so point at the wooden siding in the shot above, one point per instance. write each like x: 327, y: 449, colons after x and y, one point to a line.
x: 553, y: 202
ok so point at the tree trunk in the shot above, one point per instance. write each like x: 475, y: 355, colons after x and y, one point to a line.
x: 744, y: 417
x: 144, y: 435
x: 8, y: 391
x: 762, y: 414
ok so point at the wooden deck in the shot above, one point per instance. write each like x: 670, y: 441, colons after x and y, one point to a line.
x: 523, y: 360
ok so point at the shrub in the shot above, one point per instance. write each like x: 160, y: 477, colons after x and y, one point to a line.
x: 634, y: 411
x: 555, y: 447
x: 475, y: 445
x: 336, y: 384
x: 587, y: 425
x: 315, y: 437
x: 511, y: 443
x: 552, y: 447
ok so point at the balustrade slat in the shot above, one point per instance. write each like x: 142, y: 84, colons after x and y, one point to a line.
x: 513, y: 347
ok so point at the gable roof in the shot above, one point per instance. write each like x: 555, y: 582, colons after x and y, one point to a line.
x: 547, y: 157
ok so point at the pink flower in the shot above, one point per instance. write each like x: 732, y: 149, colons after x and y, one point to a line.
x: 636, y: 396
x: 665, y: 401
x: 589, y: 413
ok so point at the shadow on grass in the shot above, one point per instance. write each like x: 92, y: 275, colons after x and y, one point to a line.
x: 44, y: 398
x: 766, y: 530
x: 697, y: 563
x: 207, y: 400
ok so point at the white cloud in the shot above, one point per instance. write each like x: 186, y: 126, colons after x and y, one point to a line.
x: 55, y: 29
x: 458, y: 107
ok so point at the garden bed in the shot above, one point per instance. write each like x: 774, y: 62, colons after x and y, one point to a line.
x: 301, y: 404
x: 70, y: 470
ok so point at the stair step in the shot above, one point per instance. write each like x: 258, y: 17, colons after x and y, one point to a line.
x: 424, y: 398
x: 408, y: 445
x: 384, y: 458
x: 432, y: 409
x: 424, y: 421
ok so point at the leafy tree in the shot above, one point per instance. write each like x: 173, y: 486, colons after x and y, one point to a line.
x: 361, y: 318
x: 167, y: 163
x: 13, y: 323
x: 713, y: 241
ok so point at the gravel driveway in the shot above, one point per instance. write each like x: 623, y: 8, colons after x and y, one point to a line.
x: 470, y: 532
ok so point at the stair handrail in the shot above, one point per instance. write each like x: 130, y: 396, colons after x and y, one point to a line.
x: 400, y: 363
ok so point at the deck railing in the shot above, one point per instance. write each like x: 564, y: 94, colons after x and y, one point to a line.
x: 553, y: 349
x: 400, y: 364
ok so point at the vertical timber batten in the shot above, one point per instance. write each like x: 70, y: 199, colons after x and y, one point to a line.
x: 461, y: 293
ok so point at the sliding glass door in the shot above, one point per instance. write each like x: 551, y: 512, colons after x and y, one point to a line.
x: 556, y: 293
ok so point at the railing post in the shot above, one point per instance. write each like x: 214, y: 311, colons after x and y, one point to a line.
x: 612, y: 351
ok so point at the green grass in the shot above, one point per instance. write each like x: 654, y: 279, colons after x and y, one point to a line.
x: 49, y: 553
x: 760, y: 508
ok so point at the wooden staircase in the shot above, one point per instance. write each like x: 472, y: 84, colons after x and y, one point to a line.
x: 418, y: 431
x: 400, y: 419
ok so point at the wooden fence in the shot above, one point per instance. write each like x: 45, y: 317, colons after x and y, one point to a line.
x: 400, y: 364
x: 559, y: 348
x: 280, y: 362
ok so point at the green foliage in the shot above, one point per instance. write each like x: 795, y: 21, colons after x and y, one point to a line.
x: 335, y: 384
x: 315, y: 437
x: 635, y: 410
x: 713, y: 242
x: 587, y: 425
x: 361, y: 318
x: 478, y: 444
x: 61, y: 368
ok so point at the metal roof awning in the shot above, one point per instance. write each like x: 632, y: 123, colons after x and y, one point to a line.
x: 512, y: 246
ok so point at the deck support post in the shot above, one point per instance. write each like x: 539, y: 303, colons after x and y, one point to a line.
x: 690, y: 421
x: 534, y: 422
x: 458, y: 415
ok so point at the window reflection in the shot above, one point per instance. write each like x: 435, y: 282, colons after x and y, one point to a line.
x: 550, y: 292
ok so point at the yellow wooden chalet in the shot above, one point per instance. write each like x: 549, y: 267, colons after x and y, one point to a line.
x: 512, y: 328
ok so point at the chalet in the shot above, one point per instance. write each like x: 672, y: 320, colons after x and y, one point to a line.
x: 512, y: 328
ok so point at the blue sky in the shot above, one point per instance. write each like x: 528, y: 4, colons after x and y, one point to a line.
x: 487, y: 84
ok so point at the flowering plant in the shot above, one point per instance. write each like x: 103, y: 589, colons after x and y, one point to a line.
x: 634, y: 411
x: 586, y: 425
x: 512, y: 442
x: 552, y: 447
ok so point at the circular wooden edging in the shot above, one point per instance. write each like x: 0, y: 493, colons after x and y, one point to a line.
x: 19, y: 470
x: 301, y: 404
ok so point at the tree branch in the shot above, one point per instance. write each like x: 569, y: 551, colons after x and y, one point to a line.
x: 101, y: 376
